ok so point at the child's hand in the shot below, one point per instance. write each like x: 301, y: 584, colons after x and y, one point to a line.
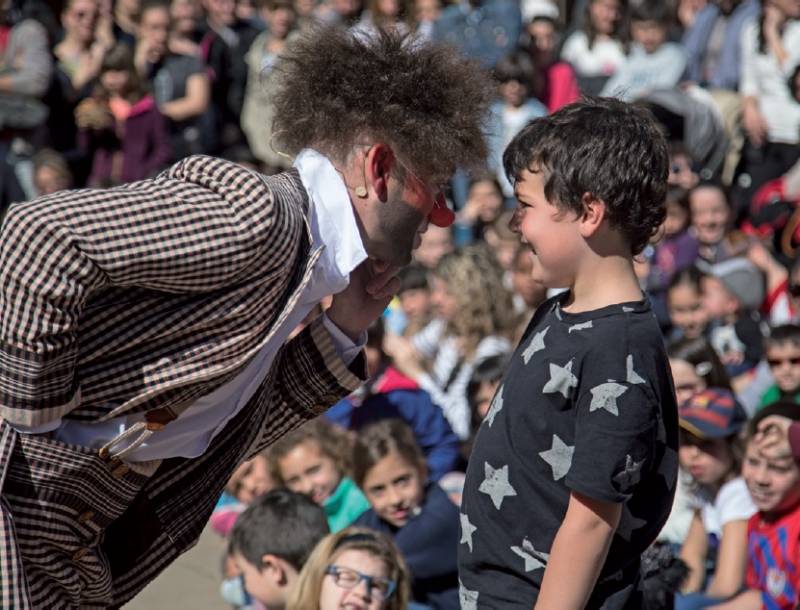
x: 754, y: 124
x: 760, y: 256
x: 404, y: 355
x: 773, y: 434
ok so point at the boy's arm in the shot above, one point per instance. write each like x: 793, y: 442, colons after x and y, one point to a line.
x: 693, y: 553
x: 748, y: 600
x: 731, y: 560
x: 578, y: 553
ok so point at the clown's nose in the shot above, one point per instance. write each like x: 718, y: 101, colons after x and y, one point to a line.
x: 441, y: 215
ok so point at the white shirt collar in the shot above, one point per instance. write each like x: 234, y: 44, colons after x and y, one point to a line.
x: 333, y: 225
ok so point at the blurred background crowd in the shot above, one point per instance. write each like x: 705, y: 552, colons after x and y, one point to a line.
x: 101, y: 92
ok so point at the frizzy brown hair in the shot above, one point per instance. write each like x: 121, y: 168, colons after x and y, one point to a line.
x: 333, y: 442
x: 337, y: 89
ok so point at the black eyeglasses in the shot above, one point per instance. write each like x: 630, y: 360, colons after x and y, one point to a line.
x: 773, y: 362
x: 378, y: 587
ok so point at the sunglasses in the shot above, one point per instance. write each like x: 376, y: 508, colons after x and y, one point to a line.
x: 773, y: 362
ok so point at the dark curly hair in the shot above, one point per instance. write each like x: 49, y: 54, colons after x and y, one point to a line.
x: 424, y: 99
x: 611, y: 149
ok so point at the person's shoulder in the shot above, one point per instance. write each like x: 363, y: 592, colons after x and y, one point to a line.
x: 733, y: 492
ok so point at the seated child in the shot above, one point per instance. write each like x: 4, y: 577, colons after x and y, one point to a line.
x: 696, y: 367
x: 249, y: 481
x: 418, y: 515
x: 415, y: 298
x: 272, y: 540
x: 783, y: 356
x: 732, y: 293
x: 390, y: 394
x: 574, y: 468
x: 773, y: 533
x: 315, y: 460
x: 333, y: 575
x: 653, y: 62
x: 710, y: 453
x: 712, y: 217
x: 687, y: 312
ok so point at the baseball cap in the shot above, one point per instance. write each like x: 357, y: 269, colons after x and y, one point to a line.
x: 741, y: 278
x: 712, y: 413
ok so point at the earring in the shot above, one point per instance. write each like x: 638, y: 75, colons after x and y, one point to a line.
x: 361, y: 191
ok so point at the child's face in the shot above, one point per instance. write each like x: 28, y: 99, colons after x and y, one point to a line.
x: 489, y: 201
x: 427, y: 11
x: 443, y: 300
x: 436, y: 242
x: 676, y: 220
x: 115, y: 81
x: 513, y: 93
x: 686, y: 310
x: 784, y: 363
x: 280, y: 21
x: 395, y: 489
x: 710, y: 215
x: 650, y: 34
x: 681, y: 172
x: 269, y: 583
x: 709, y: 461
x: 773, y: 479
x: 543, y: 39
x: 686, y: 380
x: 306, y: 470
x: 484, y: 396
x: 335, y: 596
x: 49, y: 181
x: 254, y: 480
x: 416, y: 303
x: 717, y: 301
x: 553, y: 236
x: 604, y: 15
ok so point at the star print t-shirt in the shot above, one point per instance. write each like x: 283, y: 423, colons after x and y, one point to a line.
x: 587, y: 406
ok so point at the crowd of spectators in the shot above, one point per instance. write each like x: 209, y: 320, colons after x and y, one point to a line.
x: 96, y: 93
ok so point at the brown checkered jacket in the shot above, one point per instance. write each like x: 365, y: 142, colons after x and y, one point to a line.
x: 141, y: 299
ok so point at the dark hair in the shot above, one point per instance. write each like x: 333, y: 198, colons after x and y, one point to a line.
x: 710, y: 184
x: 605, y: 147
x: 792, y: 84
x: 785, y: 333
x: 517, y: 66
x: 687, y: 276
x: 378, y: 440
x: 413, y: 277
x: 120, y: 58
x: 490, y: 370
x: 699, y: 353
x: 281, y: 523
x: 652, y: 10
x: 424, y: 99
x: 783, y: 407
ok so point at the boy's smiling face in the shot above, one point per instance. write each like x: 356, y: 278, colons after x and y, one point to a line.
x: 773, y: 479
x: 784, y: 364
x: 553, y: 235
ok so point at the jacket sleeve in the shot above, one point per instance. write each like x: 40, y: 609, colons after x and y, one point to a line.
x: 307, y: 377
x: 202, y: 225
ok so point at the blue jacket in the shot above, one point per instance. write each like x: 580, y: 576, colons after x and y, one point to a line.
x: 429, y: 543
x: 392, y: 395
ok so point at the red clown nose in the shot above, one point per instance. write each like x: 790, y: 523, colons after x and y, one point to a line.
x: 441, y: 215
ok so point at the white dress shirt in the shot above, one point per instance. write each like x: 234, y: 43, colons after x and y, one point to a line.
x: 333, y: 225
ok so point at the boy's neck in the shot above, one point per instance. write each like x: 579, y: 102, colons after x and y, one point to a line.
x: 604, y: 281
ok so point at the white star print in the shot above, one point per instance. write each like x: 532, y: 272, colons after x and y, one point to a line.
x: 632, y: 376
x: 497, y: 406
x: 628, y: 523
x: 467, y: 529
x: 536, y: 344
x: 468, y: 599
x: 533, y: 559
x: 604, y: 396
x: 582, y: 326
x: 559, y: 457
x: 496, y: 484
x: 630, y: 475
x: 561, y: 379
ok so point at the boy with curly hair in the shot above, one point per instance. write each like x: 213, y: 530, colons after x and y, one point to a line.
x: 574, y: 468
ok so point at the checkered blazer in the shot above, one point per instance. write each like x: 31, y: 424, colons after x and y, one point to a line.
x: 141, y: 298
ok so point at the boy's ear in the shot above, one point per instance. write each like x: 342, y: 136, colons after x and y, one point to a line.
x: 594, y: 213
x: 275, y: 568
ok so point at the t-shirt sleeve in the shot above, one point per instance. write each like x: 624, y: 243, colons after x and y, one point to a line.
x: 615, y: 435
x: 733, y: 502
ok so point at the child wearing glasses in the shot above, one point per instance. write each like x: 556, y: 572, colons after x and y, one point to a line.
x: 783, y: 356
x: 355, y: 567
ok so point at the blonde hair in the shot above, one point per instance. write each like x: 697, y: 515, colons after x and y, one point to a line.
x: 475, y: 280
x: 306, y: 591
x: 332, y: 442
